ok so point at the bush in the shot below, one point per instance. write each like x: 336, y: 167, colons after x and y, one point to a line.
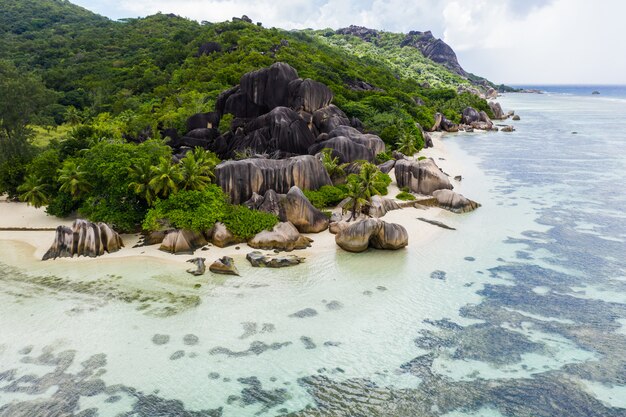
x: 245, y: 223
x: 404, y: 196
x: 421, y: 158
x: 383, y: 157
x: 193, y: 210
x: 326, y: 196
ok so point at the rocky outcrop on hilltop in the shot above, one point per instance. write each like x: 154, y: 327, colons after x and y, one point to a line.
x: 240, y: 179
x: 374, y: 233
x: 423, y: 177
x: 435, y: 50
x: 364, y: 33
x: 84, y: 238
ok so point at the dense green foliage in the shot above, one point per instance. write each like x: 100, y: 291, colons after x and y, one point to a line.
x: 245, y: 223
x: 405, y: 196
x: 361, y: 187
x: 326, y: 196
x: 200, y: 210
x: 193, y: 210
x: 74, y: 86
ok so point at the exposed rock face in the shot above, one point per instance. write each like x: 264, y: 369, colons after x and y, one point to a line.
x: 268, y: 88
x: 441, y: 123
x: 257, y: 259
x: 455, y: 202
x: 329, y: 118
x: 182, y: 242
x: 284, y: 236
x: 372, y: 232
x: 309, y: 95
x: 379, y: 206
x: 302, y: 214
x: 208, y: 48
x: 338, y: 226
x: 373, y: 142
x: 470, y: 115
x: 209, y: 120
x: 281, y: 131
x: 239, y: 179
x: 475, y: 119
x: 84, y: 238
x: 222, y: 237
x: 516, y: 118
x: 423, y: 177
x: 346, y: 149
x: 200, y: 266
x: 496, y: 109
x: 224, y: 266
x: 434, y: 49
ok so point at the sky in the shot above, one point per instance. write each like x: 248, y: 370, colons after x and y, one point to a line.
x: 517, y: 42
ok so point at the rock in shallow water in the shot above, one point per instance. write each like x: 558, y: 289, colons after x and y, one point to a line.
x: 224, y: 266
x: 257, y: 259
x: 200, y: 266
x: 454, y: 202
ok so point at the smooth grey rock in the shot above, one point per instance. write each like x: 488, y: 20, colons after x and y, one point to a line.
x: 454, y: 202
x: 84, y: 238
x: 224, y: 266
x: 421, y: 177
x: 284, y: 236
x: 200, y: 266
x: 257, y: 259
x: 182, y: 242
x: 372, y: 232
x: 302, y: 214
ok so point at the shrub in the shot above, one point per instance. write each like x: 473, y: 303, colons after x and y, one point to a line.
x: 193, y: 210
x: 421, y: 158
x: 405, y: 196
x: 326, y: 196
x: 245, y: 223
x: 383, y: 157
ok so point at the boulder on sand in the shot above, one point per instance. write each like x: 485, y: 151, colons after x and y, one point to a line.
x: 372, y: 232
x: 455, y: 202
x: 182, y: 242
x: 302, y: 214
x: 284, y: 236
x: 224, y: 266
x: 423, y: 177
x: 200, y: 266
x: 84, y: 238
x: 222, y: 237
x: 379, y: 206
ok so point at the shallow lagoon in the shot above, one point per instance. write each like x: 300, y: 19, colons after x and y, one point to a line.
x: 526, y: 321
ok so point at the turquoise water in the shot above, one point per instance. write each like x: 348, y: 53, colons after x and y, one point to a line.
x: 529, y: 320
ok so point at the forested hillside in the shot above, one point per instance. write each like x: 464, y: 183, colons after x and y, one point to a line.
x: 70, y: 78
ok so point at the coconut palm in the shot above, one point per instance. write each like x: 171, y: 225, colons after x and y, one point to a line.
x: 140, y: 176
x: 165, y: 178
x: 34, y: 191
x: 362, y: 187
x: 331, y: 164
x: 406, y: 144
x: 73, y: 179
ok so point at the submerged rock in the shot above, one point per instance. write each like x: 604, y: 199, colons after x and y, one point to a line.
x: 200, y: 266
x: 224, y: 266
x: 455, y: 202
x: 372, y: 233
x: 84, y: 238
x: 257, y: 259
x: 182, y: 242
x: 423, y: 177
x: 284, y: 236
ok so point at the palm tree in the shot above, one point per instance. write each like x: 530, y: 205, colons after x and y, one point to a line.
x: 73, y: 179
x: 34, y: 191
x: 141, y: 175
x: 165, y: 178
x: 360, y: 188
x: 406, y: 144
x: 331, y: 164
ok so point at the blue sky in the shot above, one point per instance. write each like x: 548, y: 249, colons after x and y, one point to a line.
x: 508, y: 41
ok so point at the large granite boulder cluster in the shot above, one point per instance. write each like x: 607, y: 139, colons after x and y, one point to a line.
x: 374, y: 233
x: 84, y: 238
x: 443, y: 124
x: 474, y: 119
x: 241, y: 179
x: 291, y: 207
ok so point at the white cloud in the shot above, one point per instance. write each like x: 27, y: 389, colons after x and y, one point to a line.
x: 512, y: 41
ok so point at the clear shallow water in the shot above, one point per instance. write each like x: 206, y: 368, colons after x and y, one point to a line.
x: 529, y: 319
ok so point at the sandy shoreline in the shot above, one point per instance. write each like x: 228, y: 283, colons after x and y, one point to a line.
x: 18, y: 217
